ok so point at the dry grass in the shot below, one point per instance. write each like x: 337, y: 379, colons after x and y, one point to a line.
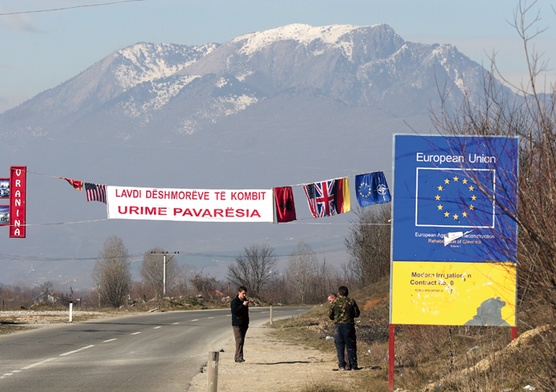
x: 436, y: 357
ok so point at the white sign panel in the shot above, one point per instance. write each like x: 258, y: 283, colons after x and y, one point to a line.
x: 200, y: 205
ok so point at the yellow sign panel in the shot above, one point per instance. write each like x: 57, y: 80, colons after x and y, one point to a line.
x: 448, y: 293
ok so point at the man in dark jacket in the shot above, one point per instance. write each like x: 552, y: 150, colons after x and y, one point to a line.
x: 343, y: 310
x: 240, y: 321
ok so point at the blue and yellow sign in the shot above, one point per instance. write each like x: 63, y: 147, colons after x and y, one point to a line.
x: 454, y: 236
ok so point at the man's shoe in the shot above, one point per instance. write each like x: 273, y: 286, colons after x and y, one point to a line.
x: 240, y: 360
x: 356, y: 368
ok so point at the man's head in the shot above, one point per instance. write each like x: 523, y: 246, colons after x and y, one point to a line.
x: 343, y: 291
x: 242, y: 292
x: 331, y: 297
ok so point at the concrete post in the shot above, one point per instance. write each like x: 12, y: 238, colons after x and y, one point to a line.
x: 212, y: 385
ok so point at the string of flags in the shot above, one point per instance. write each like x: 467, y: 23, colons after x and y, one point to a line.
x: 332, y: 197
x: 324, y: 198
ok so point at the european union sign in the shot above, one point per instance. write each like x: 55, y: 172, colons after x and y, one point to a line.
x: 455, y: 198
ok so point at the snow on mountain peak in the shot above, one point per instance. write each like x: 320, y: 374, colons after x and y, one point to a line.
x: 146, y: 62
x: 302, y: 33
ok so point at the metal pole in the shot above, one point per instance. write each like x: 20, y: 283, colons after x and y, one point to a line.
x: 212, y: 385
x: 71, y: 312
x: 391, y: 357
x: 271, y: 315
x: 164, y: 277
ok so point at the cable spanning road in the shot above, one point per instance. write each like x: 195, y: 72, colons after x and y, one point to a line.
x: 150, y: 352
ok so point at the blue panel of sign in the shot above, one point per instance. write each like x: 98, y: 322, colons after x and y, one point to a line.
x: 455, y: 198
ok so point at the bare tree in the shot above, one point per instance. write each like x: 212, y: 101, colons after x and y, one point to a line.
x: 531, y: 115
x: 112, y: 273
x: 184, y: 280
x: 308, y: 280
x: 153, y: 270
x: 302, y: 271
x: 368, y: 244
x: 205, y: 285
x: 253, y: 268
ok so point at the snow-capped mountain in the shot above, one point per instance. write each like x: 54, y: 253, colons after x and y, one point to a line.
x: 286, y: 106
x: 189, y: 88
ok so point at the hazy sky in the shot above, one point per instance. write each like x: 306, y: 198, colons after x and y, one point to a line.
x: 45, y: 42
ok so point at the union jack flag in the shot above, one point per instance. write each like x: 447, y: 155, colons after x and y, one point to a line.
x: 321, y: 198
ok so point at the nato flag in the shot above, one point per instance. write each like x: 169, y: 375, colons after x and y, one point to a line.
x: 371, y: 188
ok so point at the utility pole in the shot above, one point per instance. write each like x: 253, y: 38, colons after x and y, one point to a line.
x: 164, y: 262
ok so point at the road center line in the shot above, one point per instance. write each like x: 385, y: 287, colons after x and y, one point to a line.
x: 157, y: 327
x: 76, y: 351
x: 38, y: 363
x: 136, y: 333
x: 110, y: 340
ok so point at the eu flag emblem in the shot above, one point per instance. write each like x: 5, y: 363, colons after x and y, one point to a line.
x: 463, y: 198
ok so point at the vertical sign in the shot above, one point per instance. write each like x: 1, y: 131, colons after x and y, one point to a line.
x: 18, y: 201
x: 454, y: 236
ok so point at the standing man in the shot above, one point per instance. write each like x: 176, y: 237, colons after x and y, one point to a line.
x: 240, y: 321
x: 343, y: 310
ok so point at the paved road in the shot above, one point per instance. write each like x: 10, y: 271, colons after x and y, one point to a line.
x: 150, y: 352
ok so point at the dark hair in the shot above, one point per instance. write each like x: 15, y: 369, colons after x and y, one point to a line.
x: 343, y: 291
x: 242, y: 288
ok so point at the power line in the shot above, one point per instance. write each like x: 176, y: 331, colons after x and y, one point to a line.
x: 68, y: 8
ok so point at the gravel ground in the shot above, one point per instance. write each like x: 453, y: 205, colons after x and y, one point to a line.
x: 272, y: 366
x: 34, y: 317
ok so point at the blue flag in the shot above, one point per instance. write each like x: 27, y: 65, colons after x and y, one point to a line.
x: 461, y: 198
x: 371, y: 188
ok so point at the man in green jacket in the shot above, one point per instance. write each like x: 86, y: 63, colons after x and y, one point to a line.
x: 343, y: 310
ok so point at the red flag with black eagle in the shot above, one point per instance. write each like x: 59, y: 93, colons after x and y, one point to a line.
x: 285, y: 206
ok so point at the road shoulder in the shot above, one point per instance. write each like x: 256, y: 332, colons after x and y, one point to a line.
x: 271, y: 365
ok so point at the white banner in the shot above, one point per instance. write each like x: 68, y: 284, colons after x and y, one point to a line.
x: 201, y: 205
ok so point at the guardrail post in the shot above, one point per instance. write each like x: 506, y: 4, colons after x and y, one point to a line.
x: 212, y: 366
x: 271, y: 315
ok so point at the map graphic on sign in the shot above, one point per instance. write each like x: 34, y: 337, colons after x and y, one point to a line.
x: 461, y: 198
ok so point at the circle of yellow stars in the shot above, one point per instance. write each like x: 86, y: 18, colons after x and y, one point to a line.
x: 472, y: 198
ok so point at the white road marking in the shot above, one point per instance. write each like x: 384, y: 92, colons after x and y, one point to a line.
x: 76, y: 351
x: 38, y: 363
x: 110, y: 340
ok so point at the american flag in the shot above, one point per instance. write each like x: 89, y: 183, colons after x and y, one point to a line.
x: 95, y: 192
x: 321, y: 198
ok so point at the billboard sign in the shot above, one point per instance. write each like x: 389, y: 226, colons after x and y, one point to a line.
x: 454, y: 237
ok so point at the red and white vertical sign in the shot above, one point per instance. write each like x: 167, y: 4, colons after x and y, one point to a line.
x: 18, y: 201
